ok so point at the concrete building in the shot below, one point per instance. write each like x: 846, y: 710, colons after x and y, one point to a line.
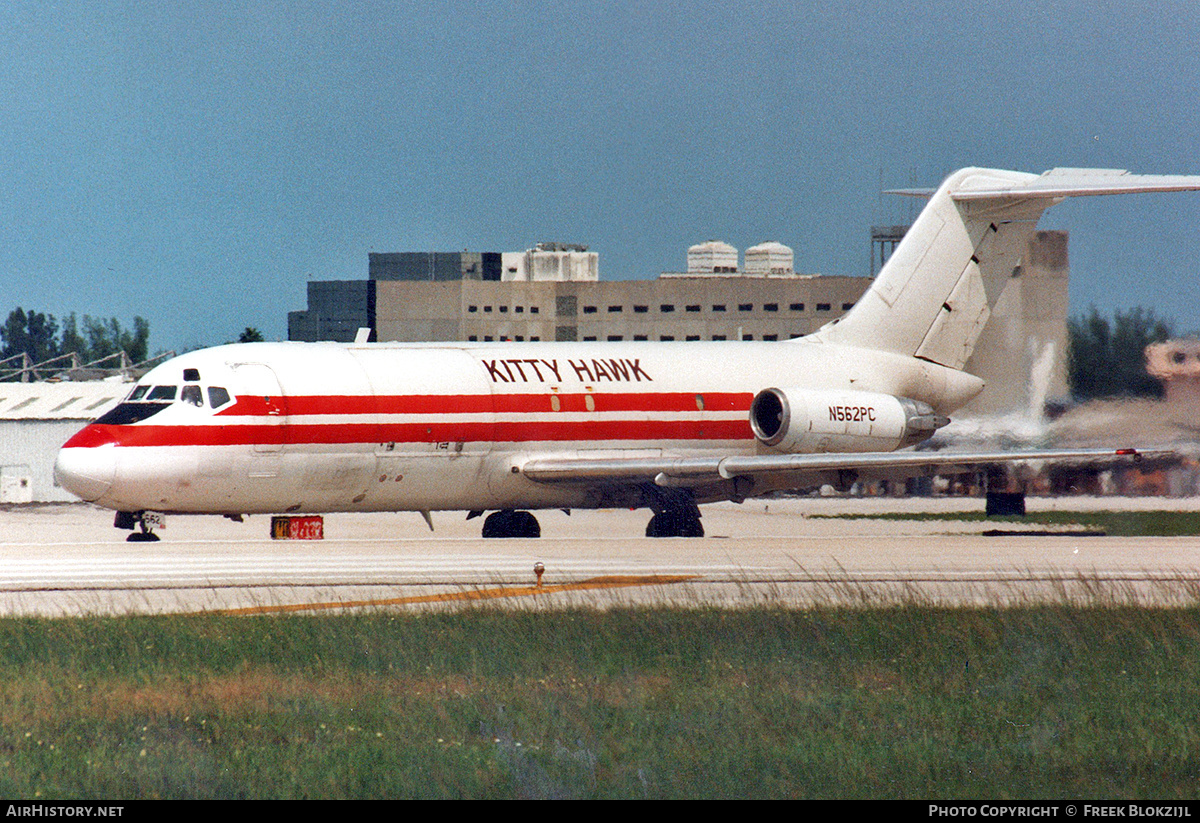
x: 552, y: 292
x: 1176, y: 363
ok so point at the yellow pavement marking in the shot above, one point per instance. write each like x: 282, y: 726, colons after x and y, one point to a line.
x: 611, y: 582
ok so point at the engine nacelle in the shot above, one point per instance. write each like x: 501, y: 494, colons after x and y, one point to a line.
x: 806, y: 420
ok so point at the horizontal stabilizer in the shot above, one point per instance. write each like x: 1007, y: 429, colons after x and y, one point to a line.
x: 1058, y: 183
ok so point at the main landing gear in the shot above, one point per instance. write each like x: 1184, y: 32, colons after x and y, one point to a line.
x: 675, y: 515
x: 509, y: 523
x: 146, y: 521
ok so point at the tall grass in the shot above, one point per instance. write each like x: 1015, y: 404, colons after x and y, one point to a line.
x: 903, y: 701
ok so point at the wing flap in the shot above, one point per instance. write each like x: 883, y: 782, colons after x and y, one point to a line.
x: 700, y: 471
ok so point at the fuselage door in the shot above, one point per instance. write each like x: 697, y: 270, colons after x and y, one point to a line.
x: 261, y: 391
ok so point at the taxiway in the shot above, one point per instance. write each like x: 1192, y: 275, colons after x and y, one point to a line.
x: 68, y: 560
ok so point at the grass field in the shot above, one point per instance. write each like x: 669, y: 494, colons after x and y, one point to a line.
x: 905, y: 701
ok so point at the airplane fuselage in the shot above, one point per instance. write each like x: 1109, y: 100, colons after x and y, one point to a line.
x: 422, y: 427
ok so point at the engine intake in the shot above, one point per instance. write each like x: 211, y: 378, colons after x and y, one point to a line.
x: 805, y: 420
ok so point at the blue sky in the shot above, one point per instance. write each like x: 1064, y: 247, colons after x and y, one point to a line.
x: 197, y: 163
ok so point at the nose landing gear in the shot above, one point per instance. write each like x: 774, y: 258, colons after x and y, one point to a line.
x: 147, y: 522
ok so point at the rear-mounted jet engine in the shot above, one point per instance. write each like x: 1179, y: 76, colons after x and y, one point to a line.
x: 804, y: 421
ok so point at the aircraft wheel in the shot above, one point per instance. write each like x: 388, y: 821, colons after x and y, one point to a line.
x: 496, y: 524
x: 142, y: 537
x: 674, y: 524
x: 524, y: 524
x: 691, y: 527
x: 509, y: 523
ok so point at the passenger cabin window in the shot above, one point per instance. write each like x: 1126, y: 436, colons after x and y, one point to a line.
x: 192, y: 395
x: 217, y: 396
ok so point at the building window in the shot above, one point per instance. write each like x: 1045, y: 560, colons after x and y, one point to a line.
x: 533, y: 309
x: 747, y: 337
x: 520, y: 338
x: 770, y: 337
x: 719, y: 307
x: 519, y: 309
x: 472, y: 309
x: 641, y: 309
x: 640, y: 337
x: 589, y: 309
x: 692, y: 337
x: 693, y: 308
x: 504, y: 309
x: 615, y: 337
x: 770, y: 307
x: 797, y: 307
x: 473, y: 338
x: 487, y: 309
x: 589, y: 338
x: 666, y: 308
x: 615, y: 309
x: 718, y: 337
x: 745, y: 307
x: 487, y: 338
x: 667, y: 337
x: 535, y: 338
x: 847, y: 306
x: 823, y: 307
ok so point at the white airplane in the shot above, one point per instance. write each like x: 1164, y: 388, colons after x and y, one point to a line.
x: 509, y: 427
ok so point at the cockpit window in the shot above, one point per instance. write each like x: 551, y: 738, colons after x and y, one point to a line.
x: 139, y: 392
x: 162, y: 393
x: 192, y: 395
x: 217, y: 396
x: 126, y: 413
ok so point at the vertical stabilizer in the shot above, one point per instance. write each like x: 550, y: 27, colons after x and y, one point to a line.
x: 936, y: 292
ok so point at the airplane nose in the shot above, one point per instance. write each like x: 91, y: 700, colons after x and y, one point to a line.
x: 86, y: 472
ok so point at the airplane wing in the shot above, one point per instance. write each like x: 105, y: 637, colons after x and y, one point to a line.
x: 758, y: 474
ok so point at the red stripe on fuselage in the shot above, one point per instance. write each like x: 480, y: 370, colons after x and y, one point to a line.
x: 364, y: 433
x: 300, y: 405
x: 546, y: 427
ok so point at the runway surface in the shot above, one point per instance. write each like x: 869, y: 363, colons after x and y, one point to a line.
x: 68, y: 560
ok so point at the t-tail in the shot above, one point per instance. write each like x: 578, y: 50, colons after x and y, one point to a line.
x: 937, y: 290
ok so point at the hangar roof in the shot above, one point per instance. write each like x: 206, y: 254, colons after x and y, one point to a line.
x: 59, y: 401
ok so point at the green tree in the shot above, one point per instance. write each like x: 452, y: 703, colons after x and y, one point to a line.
x: 40, y: 336
x: 33, y: 333
x: 1107, y: 358
x: 250, y: 335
